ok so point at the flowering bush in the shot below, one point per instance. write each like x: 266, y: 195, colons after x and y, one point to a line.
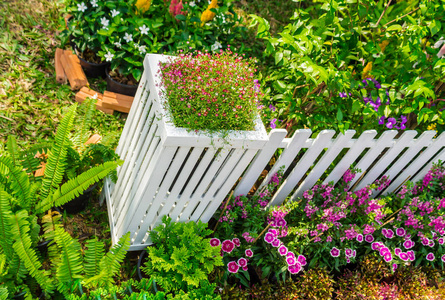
x: 213, y: 92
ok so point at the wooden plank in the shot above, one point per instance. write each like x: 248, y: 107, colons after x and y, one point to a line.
x: 260, y: 162
x: 117, y: 102
x: 324, y: 163
x: 94, y: 139
x: 82, y: 95
x: 73, y: 70
x: 60, y: 73
x: 323, y: 140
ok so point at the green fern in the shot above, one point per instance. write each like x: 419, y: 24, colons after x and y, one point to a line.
x: 28, y: 160
x: 93, y: 255
x: 74, y: 187
x: 56, y: 161
x: 18, y: 182
x: 82, y: 136
x: 22, y: 246
x: 13, y: 150
x: 5, y: 227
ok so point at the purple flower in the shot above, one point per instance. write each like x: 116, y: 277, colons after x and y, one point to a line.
x: 440, y: 241
x: 403, y: 256
x: 276, y: 242
x: 394, y: 267
x: 425, y: 241
x: 249, y: 253
x: 397, y: 251
x: 411, y: 255
x: 408, y: 244
x: 443, y: 258
x: 236, y: 241
x: 382, y: 120
x: 389, y: 234
x: 291, y: 261
x: 272, y: 108
x: 400, y: 231
x: 215, y: 242
x: 281, y: 222
x: 282, y: 250
x: 348, y: 252
x: 430, y: 256
x: 274, y: 232
x: 272, y: 123
x: 342, y: 95
x: 242, y: 262
x: 269, y: 237
x: 227, y: 246
x: 359, y: 237
x: 391, y: 123
x: 232, y: 267
x: 294, y: 269
x: 302, y: 260
x: 431, y: 243
x: 369, y: 238
x: 354, y: 253
x: 335, y: 252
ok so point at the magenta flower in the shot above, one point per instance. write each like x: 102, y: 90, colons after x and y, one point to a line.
x: 276, y: 243
x: 291, y: 261
x: 282, y: 250
x: 302, y: 260
x: 335, y: 252
x: 232, y: 267
x: 408, y: 244
x: 387, y: 257
x: 359, y: 237
x: 291, y: 254
x: 354, y: 253
x: 425, y: 241
x: 389, y: 234
x: 215, y: 242
x: 376, y: 246
x: 281, y: 223
x: 245, y: 268
x: 249, y: 253
x: 274, y: 232
x: 236, y: 241
x: 443, y: 258
x: 242, y: 262
x: 269, y: 237
x: 400, y: 231
x: 431, y: 243
x: 272, y: 123
x: 403, y: 256
x: 294, y: 269
x: 440, y: 241
x: 430, y: 256
x: 369, y: 238
x: 227, y: 246
x: 397, y: 251
x: 411, y: 255
x: 394, y: 267
x: 348, y: 252
x: 384, y: 250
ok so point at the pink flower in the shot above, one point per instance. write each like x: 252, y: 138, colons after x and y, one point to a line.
x: 302, y: 260
x: 236, y: 241
x: 403, y: 256
x: 394, y: 267
x: 245, y: 268
x: 397, y: 251
x: 282, y: 250
x: 387, y: 257
x: 274, y: 232
x: 369, y: 238
x: 242, y: 262
x: 232, y: 267
x: 408, y: 244
x: 269, y: 237
x: 376, y: 246
x: 389, y: 234
x: 348, y: 252
x: 249, y: 253
x: 227, y: 246
x: 215, y: 242
x: 291, y: 260
x: 400, y: 231
x: 291, y: 254
x: 294, y: 269
x: 276, y: 242
x: 411, y: 255
x: 335, y: 252
x: 430, y: 256
x: 359, y: 237
x: 443, y: 258
x: 440, y: 241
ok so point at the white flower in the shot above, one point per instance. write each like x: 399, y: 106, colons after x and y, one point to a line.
x: 118, y: 44
x: 192, y: 4
x: 128, y: 37
x: 114, y: 13
x: 144, y: 29
x: 217, y: 45
x: 93, y: 3
x: 104, y: 22
x: 109, y: 56
x: 82, y: 7
x: 142, y: 49
x: 96, y: 95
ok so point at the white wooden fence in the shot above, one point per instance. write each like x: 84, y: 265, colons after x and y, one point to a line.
x: 187, y: 176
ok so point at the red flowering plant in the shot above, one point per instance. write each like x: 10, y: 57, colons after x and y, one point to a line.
x: 211, y: 92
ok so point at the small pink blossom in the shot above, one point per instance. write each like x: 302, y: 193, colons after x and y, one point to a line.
x: 242, y: 262
x: 227, y: 246
x: 232, y: 267
x: 215, y: 242
x: 249, y: 253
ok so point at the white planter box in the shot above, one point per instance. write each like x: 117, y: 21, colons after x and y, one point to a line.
x: 168, y: 170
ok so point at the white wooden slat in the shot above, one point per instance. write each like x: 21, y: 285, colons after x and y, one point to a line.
x: 134, y: 110
x: 206, y: 180
x: 140, y: 143
x: 230, y: 173
x: 323, y: 140
x: 134, y: 191
x: 424, y: 140
x: 106, y: 191
x: 138, y: 209
x: 324, y: 163
x: 417, y: 164
x: 364, y: 141
x: 422, y: 173
x: 398, y: 146
x: 225, y: 189
x: 184, y: 198
x: 296, y: 143
x: 159, y: 202
x: 385, y: 141
x: 129, y: 187
x: 260, y: 162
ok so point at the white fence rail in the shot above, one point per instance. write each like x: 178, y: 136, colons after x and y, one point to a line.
x: 187, y: 176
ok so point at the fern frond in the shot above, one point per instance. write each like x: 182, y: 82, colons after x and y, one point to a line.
x: 74, y: 187
x: 22, y: 246
x: 55, y: 166
x: 70, y: 266
x: 81, y: 137
x: 93, y: 255
x: 72, y: 163
x: 13, y: 150
x: 5, y: 227
x: 111, y: 262
x: 50, y: 222
x: 28, y: 160
x: 17, y: 182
